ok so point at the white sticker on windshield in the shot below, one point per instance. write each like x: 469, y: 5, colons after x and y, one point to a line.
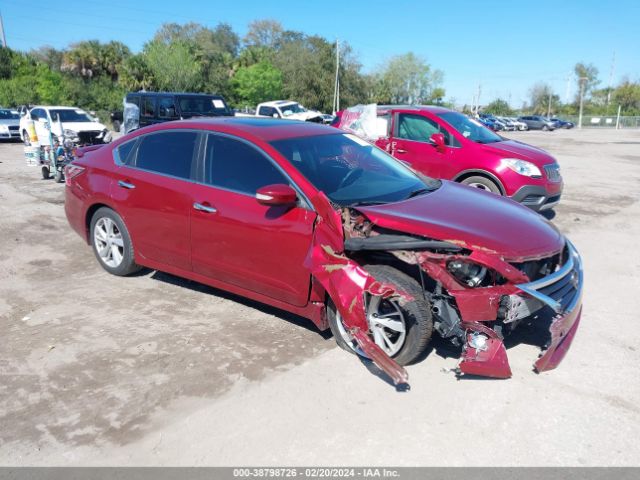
x: 466, y: 134
x: 218, y: 103
x: 358, y: 140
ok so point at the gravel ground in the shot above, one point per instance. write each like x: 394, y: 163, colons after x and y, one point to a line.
x: 156, y: 370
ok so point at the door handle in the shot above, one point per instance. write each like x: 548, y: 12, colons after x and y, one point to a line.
x: 204, y: 208
x: 400, y: 150
x: 127, y: 185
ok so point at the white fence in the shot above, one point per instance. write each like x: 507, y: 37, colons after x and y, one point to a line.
x: 604, y: 121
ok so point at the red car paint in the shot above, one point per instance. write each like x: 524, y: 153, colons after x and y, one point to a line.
x: 468, y: 158
x: 293, y: 257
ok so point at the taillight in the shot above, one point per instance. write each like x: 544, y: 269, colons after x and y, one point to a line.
x: 72, y: 171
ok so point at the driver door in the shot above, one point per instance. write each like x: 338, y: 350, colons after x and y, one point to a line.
x: 239, y: 241
x: 411, y: 143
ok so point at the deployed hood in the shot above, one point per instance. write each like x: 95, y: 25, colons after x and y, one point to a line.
x: 514, y: 149
x: 472, y: 218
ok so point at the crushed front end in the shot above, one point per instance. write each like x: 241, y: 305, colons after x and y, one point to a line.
x: 479, y: 298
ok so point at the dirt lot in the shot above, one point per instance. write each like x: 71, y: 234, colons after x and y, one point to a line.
x: 154, y: 370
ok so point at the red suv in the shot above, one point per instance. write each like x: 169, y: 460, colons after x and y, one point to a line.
x: 445, y: 144
x: 320, y: 223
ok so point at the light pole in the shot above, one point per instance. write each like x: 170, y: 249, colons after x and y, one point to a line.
x: 583, y: 80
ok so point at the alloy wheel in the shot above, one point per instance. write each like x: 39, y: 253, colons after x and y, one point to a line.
x: 108, y: 241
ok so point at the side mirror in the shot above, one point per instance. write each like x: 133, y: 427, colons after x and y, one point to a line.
x: 438, y: 140
x: 276, y: 195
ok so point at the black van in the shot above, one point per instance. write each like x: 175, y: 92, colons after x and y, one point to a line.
x: 158, y: 107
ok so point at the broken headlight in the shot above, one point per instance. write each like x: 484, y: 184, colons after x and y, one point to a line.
x: 468, y: 273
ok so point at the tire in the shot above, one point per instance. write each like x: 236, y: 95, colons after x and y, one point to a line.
x: 116, y: 125
x: 46, y: 173
x: 415, y: 316
x: 483, y: 183
x: 25, y: 139
x: 545, y: 128
x: 58, y: 176
x: 122, y: 263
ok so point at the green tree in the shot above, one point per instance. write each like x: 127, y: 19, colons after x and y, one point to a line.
x: 587, y: 74
x: 499, y: 107
x: 264, y: 33
x: 258, y: 83
x: 173, y: 65
x: 408, y: 79
x: 541, y: 95
x: 627, y: 95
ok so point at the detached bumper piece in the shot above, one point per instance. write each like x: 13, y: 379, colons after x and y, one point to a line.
x: 484, y: 352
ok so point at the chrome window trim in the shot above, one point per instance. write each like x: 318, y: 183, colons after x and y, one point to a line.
x: 304, y: 200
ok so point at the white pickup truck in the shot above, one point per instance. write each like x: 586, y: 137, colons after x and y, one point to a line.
x: 71, y: 123
x: 288, y: 109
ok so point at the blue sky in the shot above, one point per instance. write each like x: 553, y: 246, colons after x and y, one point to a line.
x: 504, y: 46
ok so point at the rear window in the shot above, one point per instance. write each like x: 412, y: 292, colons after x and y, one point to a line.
x: 169, y: 153
x: 203, y: 105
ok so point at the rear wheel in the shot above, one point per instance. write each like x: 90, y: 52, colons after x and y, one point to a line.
x: 46, y: 173
x: 482, y: 183
x: 401, y: 329
x: 25, y: 139
x: 111, y: 243
x: 58, y: 176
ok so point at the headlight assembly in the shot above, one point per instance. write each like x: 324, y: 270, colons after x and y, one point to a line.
x: 70, y: 133
x: 467, y: 273
x: 522, y: 167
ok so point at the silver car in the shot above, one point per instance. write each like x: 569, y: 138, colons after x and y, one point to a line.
x: 9, y: 124
x: 537, y: 122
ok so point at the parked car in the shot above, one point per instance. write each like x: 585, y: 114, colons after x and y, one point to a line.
x: 9, y: 124
x: 74, y: 124
x: 537, y: 122
x: 160, y: 107
x: 508, y: 124
x: 519, y: 125
x: 559, y: 123
x: 491, y: 123
x: 442, y: 143
x: 318, y: 222
x: 289, y: 110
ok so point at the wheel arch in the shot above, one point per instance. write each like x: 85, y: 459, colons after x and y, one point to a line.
x: 89, y: 215
x: 480, y: 173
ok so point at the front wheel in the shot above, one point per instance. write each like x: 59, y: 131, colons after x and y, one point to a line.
x: 25, y: 139
x: 545, y: 128
x: 46, y: 173
x: 58, y: 176
x: 482, y: 183
x: 111, y: 243
x: 402, y: 329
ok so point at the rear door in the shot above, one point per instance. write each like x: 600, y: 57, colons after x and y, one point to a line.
x: 152, y: 192
x: 411, y: 143
x: 237, y: 240
x: 148, y: 108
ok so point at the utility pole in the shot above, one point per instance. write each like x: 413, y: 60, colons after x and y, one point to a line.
x: 567, y: 92
x: 478, y: 99
x: 4, y: 39
x: 613, y: 68
x: 618, y: 117
x: 336, y: 91
x: 583, y: 80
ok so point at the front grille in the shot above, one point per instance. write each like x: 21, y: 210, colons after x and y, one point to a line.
x: 14, y: 128
x: 560, y: 288
x: 537, y: 269
x: 553, y: 172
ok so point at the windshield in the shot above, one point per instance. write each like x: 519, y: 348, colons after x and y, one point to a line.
x: 203, y: 105
x: 351, y: 171
x: 9, y: 115
x: 469, y: 128
x: 292, y: 108
x: 68, y: 115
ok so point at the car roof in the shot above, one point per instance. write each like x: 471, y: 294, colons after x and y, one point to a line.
x: 182, y: 94
x: 277, y: 103
x: 56, y: 107
x: 415, y: 108
x: 256, y: 128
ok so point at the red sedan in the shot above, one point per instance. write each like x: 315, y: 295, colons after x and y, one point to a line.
x: 322, y: 224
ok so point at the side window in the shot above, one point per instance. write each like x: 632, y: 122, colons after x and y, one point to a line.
x: 234, y: 165
x: 123, y: 152
x: 148, y: 107
x: 135, y: 99
x: 166, y: 107
x: 419, y: 128
x: 170, y: 153
x: 38, y: 114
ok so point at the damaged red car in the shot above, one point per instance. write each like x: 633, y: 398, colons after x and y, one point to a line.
x: 323, y: 224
